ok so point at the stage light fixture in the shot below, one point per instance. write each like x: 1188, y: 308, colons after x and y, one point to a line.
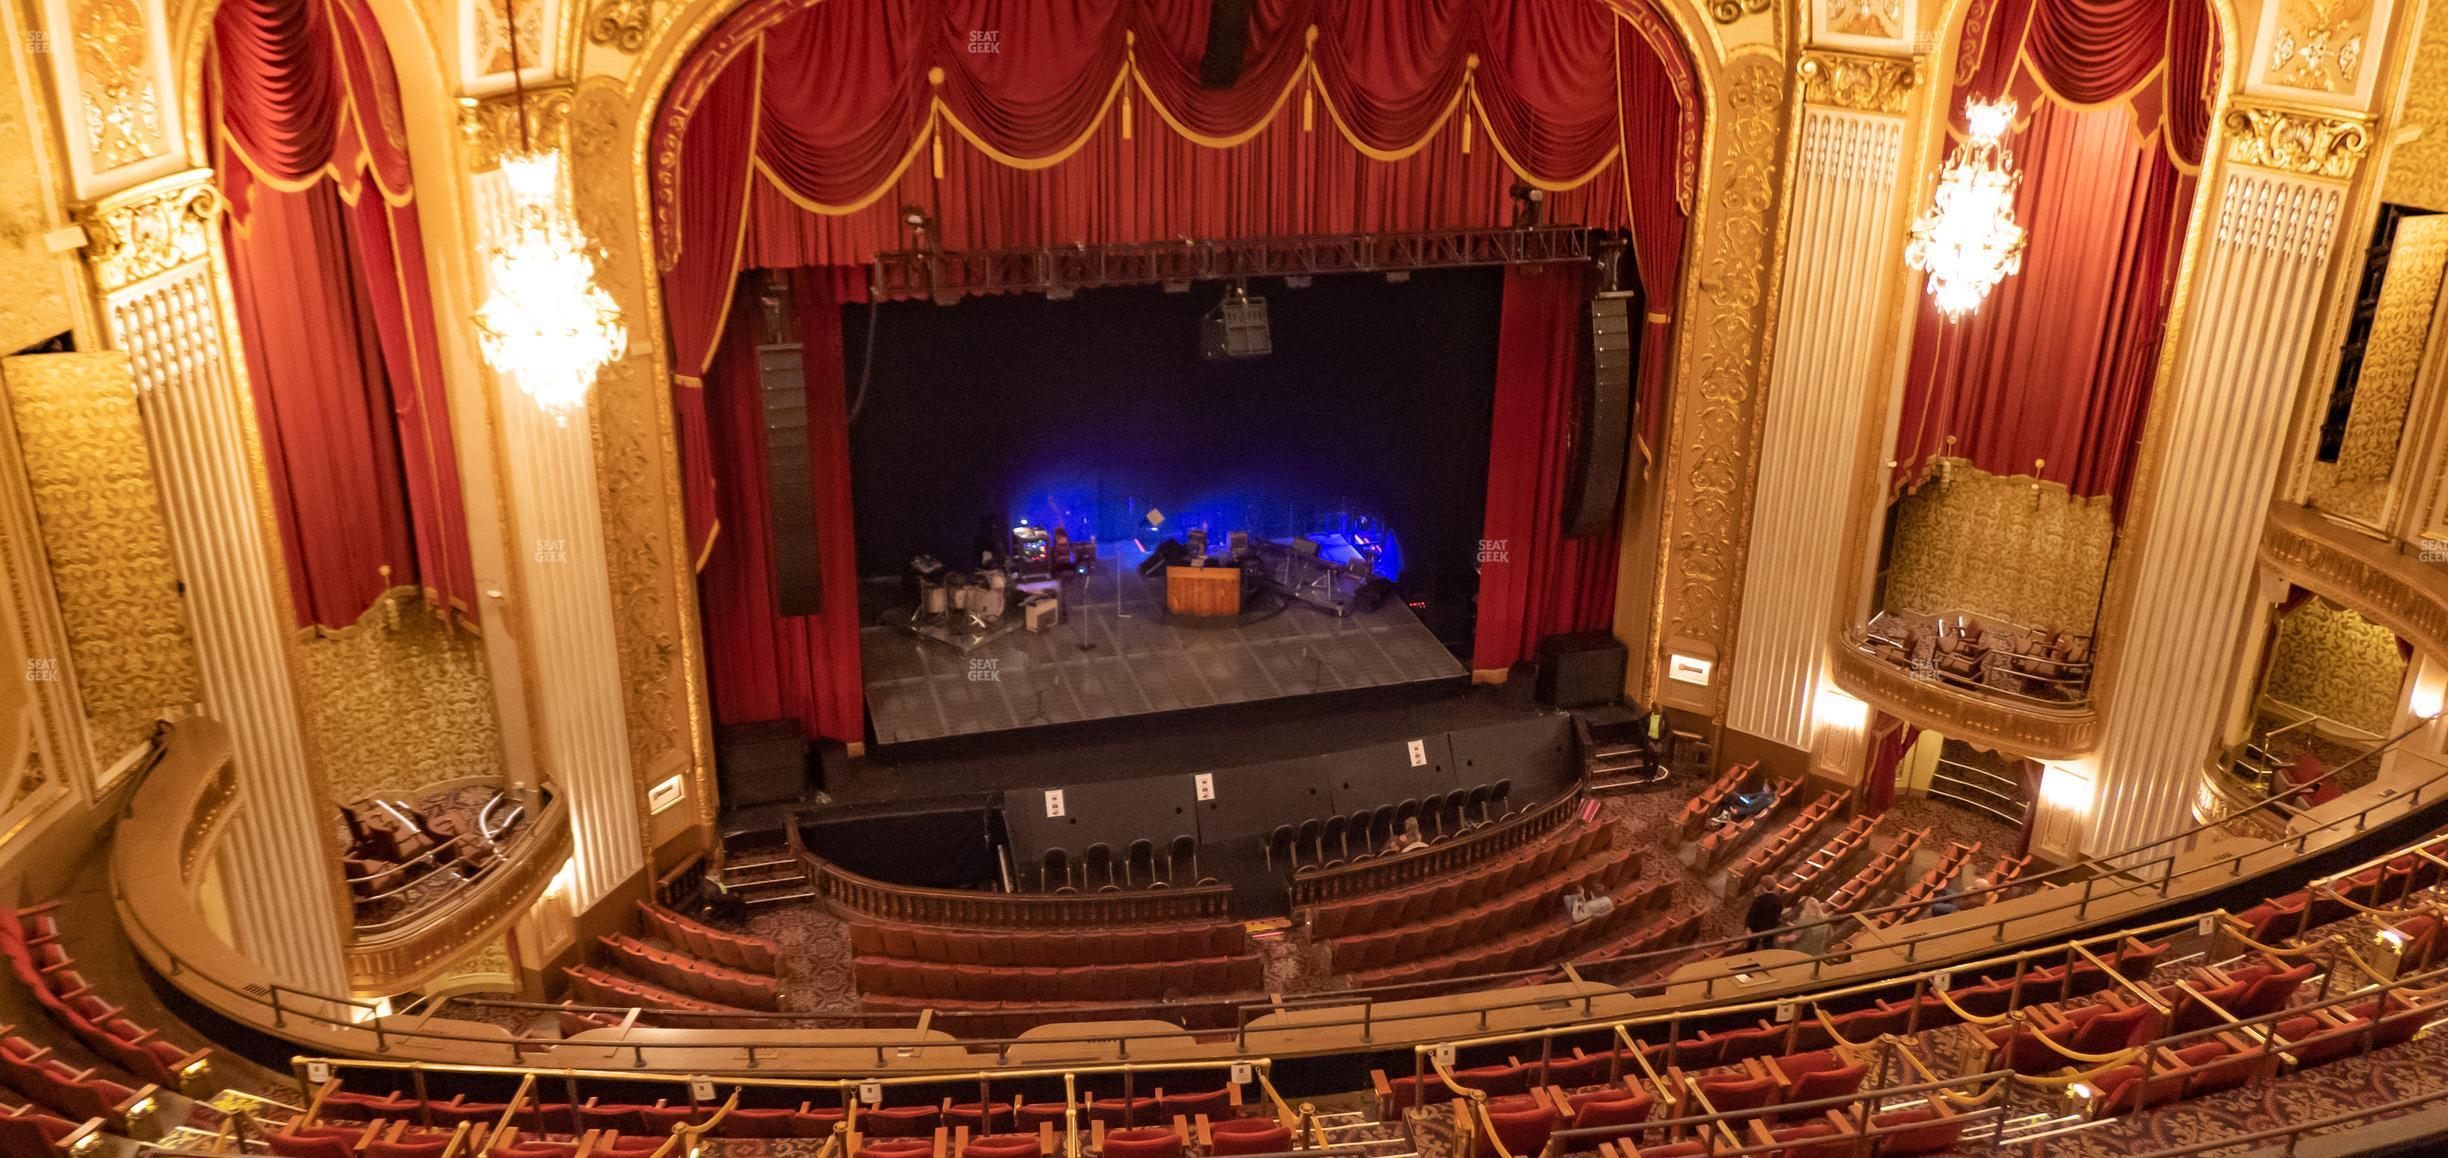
x: 1529, y: 205
x: 921, y: 223
x: 1297, y: 281
x: 1397, y: 276
x: 1177, y: 285
x: 1236, y: 328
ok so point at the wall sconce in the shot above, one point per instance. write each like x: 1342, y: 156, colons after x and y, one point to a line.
x: 561, y: 882
x: 1837, y: 709
x: 2430, y: 693
x: 2065, y: 788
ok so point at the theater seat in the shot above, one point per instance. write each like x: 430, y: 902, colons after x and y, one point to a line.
x: 1143, y: 1142
x: 1521, y: 1123
x: 1003, y: 1146
x: 1248, y: 1136
x: 902, y: 1148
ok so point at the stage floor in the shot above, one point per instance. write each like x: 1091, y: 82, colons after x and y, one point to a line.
x: 1112, y: 658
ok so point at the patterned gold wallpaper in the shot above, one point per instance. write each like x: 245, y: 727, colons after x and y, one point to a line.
x: 35, y: 305
x: 95, y: 500
x: 2333, y: 662
x: 2417, y: 172
x: 398, y: 701
x: 2357, y: 486
x: 1996, y: 547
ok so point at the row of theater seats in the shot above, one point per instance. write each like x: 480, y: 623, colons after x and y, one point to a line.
x: 1451, y: 929
x: 2299, y: 912
x: 975, y: 1018
x: 1549, y: 940
x: 593, y: 986
x: 30, y: 939
x: 1122, y: 981
x: 707, y: 943
x: 1696, y: 811
x: 681, y: 973
x: 1772, y: 853
x: 386, y: 1139
x: 1426, y: 899
x: 1859, y: 890
x: 1830, y: 859
x: 952, y: 946
x: 1678, y: 927
x: 1717, y: 845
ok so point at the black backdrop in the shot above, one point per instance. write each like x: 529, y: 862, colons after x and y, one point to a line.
x: 1376, y: 400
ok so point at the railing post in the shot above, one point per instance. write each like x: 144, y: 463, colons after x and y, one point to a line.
x: 277, y: 1019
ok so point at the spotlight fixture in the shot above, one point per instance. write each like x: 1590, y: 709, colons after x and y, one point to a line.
x: 1399, y: 276
x: 1529, y: 205
x: 921, y: 223
x: 1236, y: 328
x: 1967, y: 241
x: 1296, y: 281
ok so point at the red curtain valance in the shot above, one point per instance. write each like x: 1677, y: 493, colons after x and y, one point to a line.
x: 2159, y: 56
x: 332, y: 302
x: 1044, y: 112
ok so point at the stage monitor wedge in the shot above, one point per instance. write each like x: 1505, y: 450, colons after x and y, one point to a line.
x: 789, y: 481
x: 1606, y: 426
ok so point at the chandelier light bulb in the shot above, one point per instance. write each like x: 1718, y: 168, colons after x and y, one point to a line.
x: 1967, y: 241
x: 548, y: 323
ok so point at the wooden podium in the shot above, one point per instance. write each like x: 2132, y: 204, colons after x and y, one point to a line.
x: 1203, y: 596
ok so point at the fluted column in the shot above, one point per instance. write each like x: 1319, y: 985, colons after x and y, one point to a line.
x: 2201, y: 499
x: 565, y: 585
x: 1839, y: 254
x: 152, y: 251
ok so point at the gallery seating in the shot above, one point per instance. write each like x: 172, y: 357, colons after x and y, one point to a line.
x: 1371, y: 912
x: 1831, y: 859
x: 956, y: 946
x: 703, y: 941
x: 30, y: 940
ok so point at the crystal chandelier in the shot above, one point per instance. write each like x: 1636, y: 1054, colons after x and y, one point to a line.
x: 547, y: 322
x: 1967, y: 241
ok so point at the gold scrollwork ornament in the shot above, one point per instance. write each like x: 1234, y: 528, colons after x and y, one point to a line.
x: 131, y: 240
x: 2292, y: 141
x: 1729, y: 11
x: 622, y: 24
x: 1865, y: 84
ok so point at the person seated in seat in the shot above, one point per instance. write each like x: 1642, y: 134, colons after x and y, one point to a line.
x: 1583, y: 907
x: 1409, y: 839
x: 1742, y: 806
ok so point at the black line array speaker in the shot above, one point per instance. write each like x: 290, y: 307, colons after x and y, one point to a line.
x: 1606, y: 427
x: 790, y: 492
x: 760, y: 763
x: 1580, y: 669
x: 1228, y: 23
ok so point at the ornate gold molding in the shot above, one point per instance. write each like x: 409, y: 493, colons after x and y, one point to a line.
x: 150, y: 229
x: 2298, y: 141
x: 1863, y: 84
x: 406, y: 693
x: 218, y: 794
x: 1979, y: 720
x: 491, y: 124
x: 620, y: 24
x: 2372, y: 577
x: 408, y: 959
x: 1729, y: 11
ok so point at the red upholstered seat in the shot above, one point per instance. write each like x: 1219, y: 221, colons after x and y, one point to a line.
x: 900, y: 1121
x: 621, y: 1116
x: 426, y: 1145
x: 993, y: 1118
x: 756, y: 1123
x: 2272, y: 992
x: 1819, y: 1074
x: 2212, y: 1067
x: 1618, y: 1110
x: 1003, y: 1146
x: 1248, y: 1136
x: 901, y: 1148
x: 316, y: 1144
x: 1215, y: 1103
x: 1920, y: 1130
x: 1521, y: 1123
x: 1117, y: 1113
x: 815, y: 1121
x: 1143, y: 1142
x: 2125, y: 1089
x: 1731, y: 1093
x: 2117, y: 1029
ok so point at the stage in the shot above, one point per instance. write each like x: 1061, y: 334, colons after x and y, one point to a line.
x: 1115, y: 655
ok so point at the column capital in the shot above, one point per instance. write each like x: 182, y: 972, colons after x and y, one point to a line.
x: 1856, y: 81
x: 2300, y: 141
x: 150, y: 229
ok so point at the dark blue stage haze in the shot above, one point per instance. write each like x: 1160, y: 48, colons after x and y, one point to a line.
x: 1371, y: 414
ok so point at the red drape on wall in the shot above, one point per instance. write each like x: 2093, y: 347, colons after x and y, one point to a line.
x: 1533, y: 581
x: 1082, y: 121
x: 1890, y: 739
x: 2057, y: 366
x: 772, y: 666
x: 328, y: 274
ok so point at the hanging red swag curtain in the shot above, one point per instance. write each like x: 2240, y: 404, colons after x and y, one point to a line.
x: 1082, y: 121
x: 328, y: 274
x: 2056, y: 367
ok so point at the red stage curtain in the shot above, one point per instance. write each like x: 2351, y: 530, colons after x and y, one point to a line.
x: 1534, y: 582
x: 328, y: 273
x: 1890, y: 739
x: 771, y: 666
x: 2057, y: 366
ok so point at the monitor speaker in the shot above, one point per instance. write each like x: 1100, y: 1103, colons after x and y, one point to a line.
x: 789, y: 481
x: 1228, y: 24
x: 761, y: 763
x: 1606, y: 427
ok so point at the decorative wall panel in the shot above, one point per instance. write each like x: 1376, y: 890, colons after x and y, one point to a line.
x: 2000, y: 547
x: 110, y: 61
x: 36, y: 304
x: 99, y: 514
x: 399, y: 700
x: 2417, y: 171
x: 2357, y: 484
x: 2332, y: 662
